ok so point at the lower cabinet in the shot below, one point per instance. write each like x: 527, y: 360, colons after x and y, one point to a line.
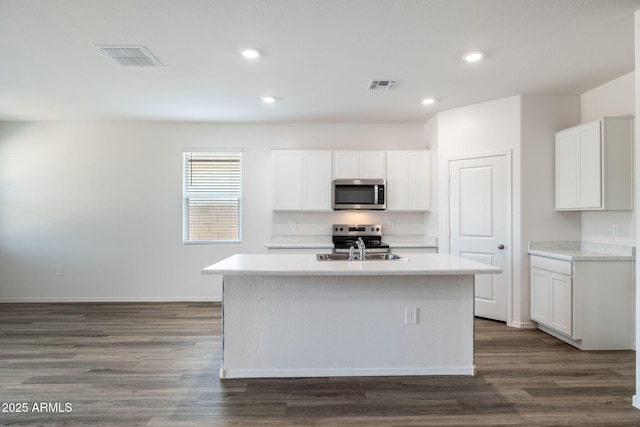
x: 588, y: 304
x: 551, y: 298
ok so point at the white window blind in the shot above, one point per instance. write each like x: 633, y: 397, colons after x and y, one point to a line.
x: 212, y: 197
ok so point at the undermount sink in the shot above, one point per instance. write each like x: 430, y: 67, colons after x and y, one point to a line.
x: 368, y: 257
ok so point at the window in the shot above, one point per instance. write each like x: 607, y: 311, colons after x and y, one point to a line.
x: 212, y: 197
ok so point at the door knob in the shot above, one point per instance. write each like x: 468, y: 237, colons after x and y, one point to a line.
x: 501, y: 247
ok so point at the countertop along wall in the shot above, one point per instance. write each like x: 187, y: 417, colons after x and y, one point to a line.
x: 105, y: 201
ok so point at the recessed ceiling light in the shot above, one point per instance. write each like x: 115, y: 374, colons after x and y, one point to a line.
x: 473, y: 56
x: 428, y: 101
x: 268, y: 99
x: 250, y: 53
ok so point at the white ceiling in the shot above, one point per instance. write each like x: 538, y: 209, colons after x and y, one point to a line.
x: 319, y: 56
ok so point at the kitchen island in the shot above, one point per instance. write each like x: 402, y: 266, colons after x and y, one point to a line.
x: 290, y: 315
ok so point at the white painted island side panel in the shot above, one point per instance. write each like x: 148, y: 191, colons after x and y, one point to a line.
x: 290, y: 326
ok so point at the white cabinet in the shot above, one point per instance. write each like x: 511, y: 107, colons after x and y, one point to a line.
x: 301, y: 180
x: 408, y: 180
x: 359, y: 165
x: 286, y: 168
x: 551, y: 294
x: 588, y: 304
x: 594, y: 165
x: 316, y: 181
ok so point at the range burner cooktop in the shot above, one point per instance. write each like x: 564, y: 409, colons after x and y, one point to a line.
x: 345, y: 236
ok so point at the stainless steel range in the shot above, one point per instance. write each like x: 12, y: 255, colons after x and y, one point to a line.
x: 345, y: 236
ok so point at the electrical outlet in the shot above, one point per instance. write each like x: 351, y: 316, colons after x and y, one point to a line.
x: 390, y: 225
x: 411, y: 315
x: 293, y: 225
x: 59, y: 270
x: 615, y: 230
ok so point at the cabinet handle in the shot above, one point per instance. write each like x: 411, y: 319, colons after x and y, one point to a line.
x: 501, y: 247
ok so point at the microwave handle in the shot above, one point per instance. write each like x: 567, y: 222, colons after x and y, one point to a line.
x: 375, y: 194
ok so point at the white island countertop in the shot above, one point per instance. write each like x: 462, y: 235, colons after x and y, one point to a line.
x: 307, y: 264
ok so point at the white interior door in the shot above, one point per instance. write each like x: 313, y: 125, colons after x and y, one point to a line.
x: 480, y: 230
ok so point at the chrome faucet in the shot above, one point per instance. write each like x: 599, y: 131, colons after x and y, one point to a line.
x: 361, y: 248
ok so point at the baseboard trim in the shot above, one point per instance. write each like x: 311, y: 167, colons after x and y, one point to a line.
x: 372, y: 372
x: 523, y: 325
x: 636, y: 401
x: 106, y: 299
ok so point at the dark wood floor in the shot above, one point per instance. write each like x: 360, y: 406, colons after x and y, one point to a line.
x: 157, y: 365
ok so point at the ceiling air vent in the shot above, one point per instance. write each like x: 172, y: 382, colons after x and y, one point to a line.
x: 130, y: 56
x: 383, y: 84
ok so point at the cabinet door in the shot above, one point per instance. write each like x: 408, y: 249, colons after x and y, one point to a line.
x: 359, y: 165
x: 579, y: 168
x: 567, y: 169
x: 372, y: 165
x: 552, y: 300
x: 316, y: 180
x: 346, y: 164
x: 589, y: 166
x: 408, y: 177
x: 561, y: 303
x: 540, y: 296
x: 419, y: 180
x: 286, y: 167
x: 397, y: 187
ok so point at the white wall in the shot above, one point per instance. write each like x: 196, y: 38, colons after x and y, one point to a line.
x: 534, y: 203
x: 525, y: 126
x: 105, y: 201
x: 542, y: 116
x: 480, y: 128
x: 615, y: 98
x: 489, y: 127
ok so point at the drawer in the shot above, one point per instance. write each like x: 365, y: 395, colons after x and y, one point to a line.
x: 550, y: 264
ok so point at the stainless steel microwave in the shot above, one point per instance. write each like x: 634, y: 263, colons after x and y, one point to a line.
x: 359, y: 194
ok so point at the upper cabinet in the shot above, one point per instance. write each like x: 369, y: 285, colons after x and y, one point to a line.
x: 286, y: 179
x: 358, y: 165
x: 594, y: 165
x: 408, y: 180
x: 301, y: 180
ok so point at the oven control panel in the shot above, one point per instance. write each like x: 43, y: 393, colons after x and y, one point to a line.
x: 357, y: 230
